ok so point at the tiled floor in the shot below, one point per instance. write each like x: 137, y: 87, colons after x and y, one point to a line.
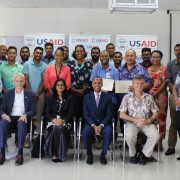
x: 35, y: 169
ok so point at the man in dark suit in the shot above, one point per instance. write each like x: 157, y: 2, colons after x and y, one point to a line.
x: 97, y: 110
x: 17, y: 107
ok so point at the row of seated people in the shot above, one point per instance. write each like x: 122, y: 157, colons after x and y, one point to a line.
x: 138, y: 109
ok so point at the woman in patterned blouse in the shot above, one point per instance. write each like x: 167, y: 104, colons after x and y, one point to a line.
x: 80, y: 74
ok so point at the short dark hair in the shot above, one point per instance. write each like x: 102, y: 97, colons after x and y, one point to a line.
x: 24, y: 47
x: 12, y: 47
x: 97, y: 77
x: 117, y: 52
x: 109, y: 45
x: 60, y: 49
x: 177, y: 45
x: 95, y: 48
x: 159, y: 52
x: 55, y: 93
x: 48, y: 44
x: 65, y: 47
x: 38, y: 47
x: 146, y: 49
x: 74, y: 53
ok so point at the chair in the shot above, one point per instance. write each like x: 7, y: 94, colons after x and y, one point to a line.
x: 41, y: 135
x: 79, y: 138
x: 123, y: 151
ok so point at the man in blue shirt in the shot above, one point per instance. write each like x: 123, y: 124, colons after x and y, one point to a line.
x: 33, y: 71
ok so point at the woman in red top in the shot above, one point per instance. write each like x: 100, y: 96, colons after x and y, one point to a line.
x: 158, y: 73
x: 56, y: 71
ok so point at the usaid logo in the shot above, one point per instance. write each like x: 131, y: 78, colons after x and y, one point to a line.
x: 73, y: 40
x: 30, y: 42
x: 122, y: 44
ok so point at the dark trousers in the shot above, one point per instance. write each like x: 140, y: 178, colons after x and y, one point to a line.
x: 88, y: 133
x: 20, y: 126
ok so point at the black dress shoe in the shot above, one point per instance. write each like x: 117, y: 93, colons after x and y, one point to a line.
x: 178, y: 158
x: 89, y: 159
x: 134, y: 160
x: 142, y: 159
x: 170, y: 151
x: 103, y: 160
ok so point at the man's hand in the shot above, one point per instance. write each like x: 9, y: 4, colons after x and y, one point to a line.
x: 130, y: 89
x: 177, y: 101
x: 97, y: 129
x: 23, y: 118
x: 141, y: 122
x: 6, y: 117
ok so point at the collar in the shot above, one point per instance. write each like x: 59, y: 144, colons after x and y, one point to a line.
x: 109, y: 67
x: 21, y: 93
x: 97, y: 93
x: 177, y: 62
x: 7, y: 63
x: 40, y: 62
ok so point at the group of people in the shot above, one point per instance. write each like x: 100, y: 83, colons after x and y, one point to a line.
x: 60, y: 89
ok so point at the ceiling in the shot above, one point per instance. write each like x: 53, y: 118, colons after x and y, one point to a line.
x: 163, y: 4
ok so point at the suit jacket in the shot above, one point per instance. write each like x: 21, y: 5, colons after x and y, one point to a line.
x: 100, y: 115
x: 67, y: 108
x: 8, y: 102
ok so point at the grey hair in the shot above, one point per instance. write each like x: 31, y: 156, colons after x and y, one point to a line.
x: 18, y: 74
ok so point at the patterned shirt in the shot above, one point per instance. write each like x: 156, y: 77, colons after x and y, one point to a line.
x: 178, y: 83
x: 7, y: 73
x: 80, y: 74
x: 139, y: 109
x: 137, y: 70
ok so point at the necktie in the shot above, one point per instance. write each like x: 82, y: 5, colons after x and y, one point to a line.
x: 97, y: 99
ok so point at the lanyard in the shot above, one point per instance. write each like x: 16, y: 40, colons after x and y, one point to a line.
x: 57, y: 75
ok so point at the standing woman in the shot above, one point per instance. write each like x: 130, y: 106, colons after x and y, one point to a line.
x: 59, y: 111
x: 55, y: 71
x: 158, y: 73
x: 80, y: 75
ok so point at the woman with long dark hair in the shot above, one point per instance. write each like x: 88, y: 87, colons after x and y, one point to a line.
x: 59, y: 111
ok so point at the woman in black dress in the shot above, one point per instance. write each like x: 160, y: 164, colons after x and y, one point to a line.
x: 59, y: 111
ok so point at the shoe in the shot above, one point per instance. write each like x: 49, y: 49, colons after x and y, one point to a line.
x: 142, y: 159
x: 19, y: 160
x: 170, y: 151
x: 27, y: 142
x: 2, y: 159
x: 178, y: 158
x: 134, y: 160
x: 56, y: 160
x: 103, y: 160
x: 89, y: 159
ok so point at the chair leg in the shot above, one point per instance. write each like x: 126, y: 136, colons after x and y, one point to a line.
x: 75, y: 134
x: 124, y: 144
x: 31, y: 134
x: 113, y: 145
x: 41, y: 139
x: 79, y: 138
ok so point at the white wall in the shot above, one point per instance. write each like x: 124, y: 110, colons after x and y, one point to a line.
x: 93, y: 21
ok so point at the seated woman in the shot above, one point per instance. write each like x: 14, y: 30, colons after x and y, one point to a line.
x: 59, y: 111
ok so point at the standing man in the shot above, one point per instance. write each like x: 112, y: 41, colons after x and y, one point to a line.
x: 97, y: 113
x: 49, y: 53
x: 140, y: 111
x: 9, y: 69
x: 25, y: 54
x: 3, y: 53
x: 95, y: 54
x: 17, y: 107
x: 33, y: 71
x: 146, y: 57
x: 117, y: 58
x: 173, y: 68
x: 110, y: 48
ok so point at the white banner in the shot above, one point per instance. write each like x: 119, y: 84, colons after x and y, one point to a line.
x: 34, y: 40
x: 88, y: 41
x: 136, y: 42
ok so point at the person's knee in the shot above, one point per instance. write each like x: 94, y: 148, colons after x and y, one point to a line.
x: 22, y: 124
x: 130, y: 136
x: 4, y: 123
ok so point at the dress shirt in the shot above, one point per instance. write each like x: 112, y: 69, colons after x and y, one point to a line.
x: 18, y: 106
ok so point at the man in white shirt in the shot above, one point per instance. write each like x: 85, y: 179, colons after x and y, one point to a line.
x: 17, y: 107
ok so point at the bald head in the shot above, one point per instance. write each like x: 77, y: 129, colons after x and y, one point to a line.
x: 104, y: 57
